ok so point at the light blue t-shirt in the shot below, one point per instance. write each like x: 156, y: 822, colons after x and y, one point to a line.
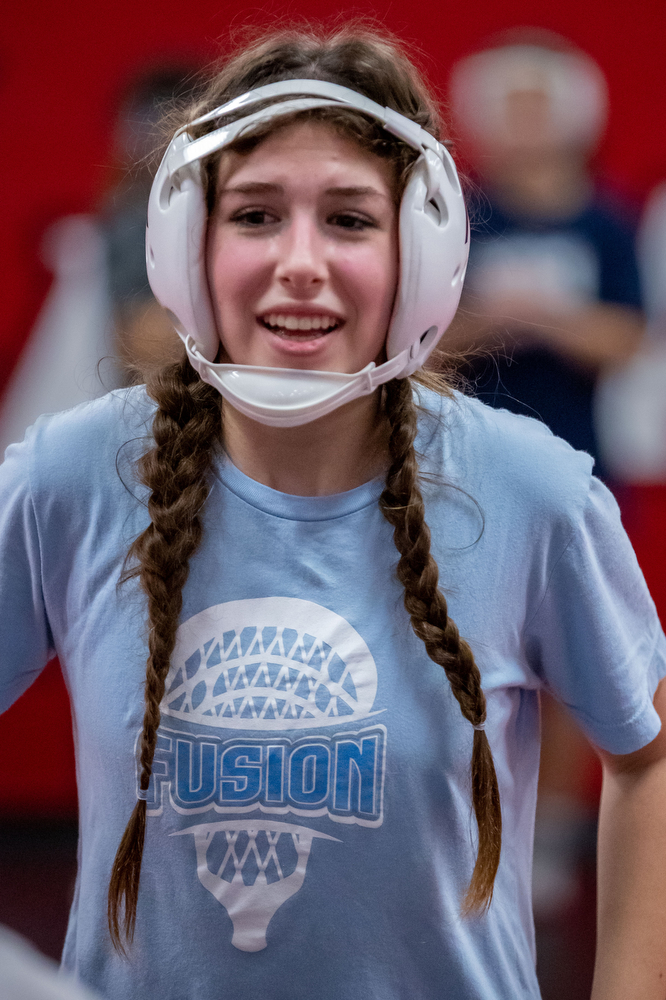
x: 310, y: 831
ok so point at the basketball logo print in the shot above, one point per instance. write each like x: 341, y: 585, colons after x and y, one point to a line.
x: 269, y: 664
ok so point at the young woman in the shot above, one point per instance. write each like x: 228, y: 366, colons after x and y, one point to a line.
x: 303, y: 819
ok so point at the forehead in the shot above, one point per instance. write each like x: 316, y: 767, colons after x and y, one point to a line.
x: 307, y: 150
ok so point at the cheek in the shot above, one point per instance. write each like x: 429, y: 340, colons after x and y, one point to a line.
x: 372, y: 277
x: 236, y: 269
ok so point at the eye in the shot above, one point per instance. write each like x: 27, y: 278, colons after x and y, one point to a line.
x: 254, y: 218
x: 352, y: 221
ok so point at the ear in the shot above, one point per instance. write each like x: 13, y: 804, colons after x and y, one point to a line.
x: 434, y: 246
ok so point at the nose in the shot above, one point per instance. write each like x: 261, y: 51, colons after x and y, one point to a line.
x: 302, y: 267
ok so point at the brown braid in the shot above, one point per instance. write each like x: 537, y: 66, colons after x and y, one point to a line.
x: 185, y: 427
x: 402, y: 505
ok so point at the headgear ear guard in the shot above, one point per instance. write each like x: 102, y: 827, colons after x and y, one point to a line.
x: 434, y: 244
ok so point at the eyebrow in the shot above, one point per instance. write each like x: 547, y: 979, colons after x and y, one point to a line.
x: 262, y: 187
x: 258, y: 187
x: 355, y: 192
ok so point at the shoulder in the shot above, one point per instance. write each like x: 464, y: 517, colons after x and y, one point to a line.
x: 506, y: 462
x: 81, y: 446
x: 109, y: 418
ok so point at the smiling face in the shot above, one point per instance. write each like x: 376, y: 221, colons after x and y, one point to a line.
x: 302, y: 252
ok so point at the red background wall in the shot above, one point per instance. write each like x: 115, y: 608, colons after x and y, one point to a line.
x: 61, y: 69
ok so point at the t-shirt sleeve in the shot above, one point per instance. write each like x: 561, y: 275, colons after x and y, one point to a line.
x: 26, y: 644
x: 595, y: 639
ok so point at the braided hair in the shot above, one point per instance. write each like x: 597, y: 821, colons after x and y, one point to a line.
x: 401, y: 503
x: 188, y: 425
x: 185, y: 428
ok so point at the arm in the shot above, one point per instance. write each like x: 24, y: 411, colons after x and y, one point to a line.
x: 592, y: 337
x: 26, y: 644
x: 631, y: 935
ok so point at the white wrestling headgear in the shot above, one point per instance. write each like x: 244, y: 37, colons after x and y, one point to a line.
x: 573, y: 83
x: 434, y: 244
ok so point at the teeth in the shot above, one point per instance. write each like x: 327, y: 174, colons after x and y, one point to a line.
x: 300, y: 322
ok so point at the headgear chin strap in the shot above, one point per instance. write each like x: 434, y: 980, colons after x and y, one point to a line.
x: 434, y: 244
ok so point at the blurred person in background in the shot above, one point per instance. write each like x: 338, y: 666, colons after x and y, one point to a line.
x: 553, y: 278
x: 100, y: 321
x: 552, y: 300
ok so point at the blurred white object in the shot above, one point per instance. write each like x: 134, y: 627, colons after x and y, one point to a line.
x: 630, y: 414
x: 73, y: 333
x: 630, y: 404
x: 483, y: 86
x: 26, y: 974
x: 652, y: 259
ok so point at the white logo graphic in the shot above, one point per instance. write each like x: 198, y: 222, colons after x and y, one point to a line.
x: 250, y: 880
x: 268, y: 664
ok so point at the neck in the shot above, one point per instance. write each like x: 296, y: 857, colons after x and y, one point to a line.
x: 540, y: 186
x: 331, y: 455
